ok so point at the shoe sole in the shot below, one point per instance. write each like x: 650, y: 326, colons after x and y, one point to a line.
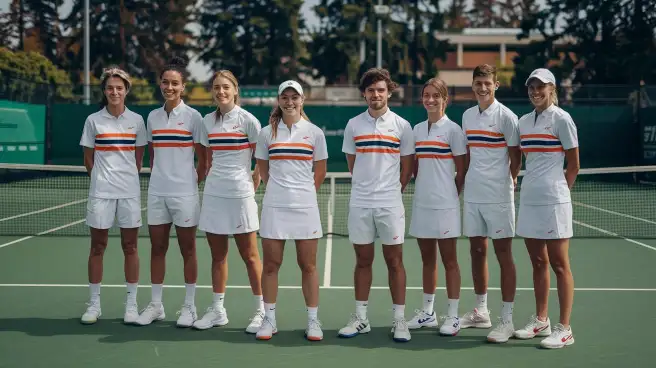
x: 160, y: 318
x: 432, y: 325
x: 568, y: 343
x: 477, y: 325
x: 265, y: 338
x: 210, y: 326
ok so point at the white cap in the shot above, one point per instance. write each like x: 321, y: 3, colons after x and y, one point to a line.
x: 542, y: 74
x: 290, y: 84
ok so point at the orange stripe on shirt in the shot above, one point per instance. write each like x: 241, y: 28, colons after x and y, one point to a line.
x: 484, y: 132
x: 171, y: 131
x: 282, y: 157
x: 488, y: 145
x: 537, y: 149
x: 232, y: 148
x: 377, y: 150
x: 116, y: 135
x: 548, y: 136
x: 299, y: 145
x: 110, y: 148
x: 439, y: 157
x: 432, y: 143
x: 237, y: 135
x: 376, y: 136
x: 162, y: 145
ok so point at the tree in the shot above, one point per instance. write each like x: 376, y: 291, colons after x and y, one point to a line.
x: 484, y: 14
x: 512, y: 12
x: 456, y: 18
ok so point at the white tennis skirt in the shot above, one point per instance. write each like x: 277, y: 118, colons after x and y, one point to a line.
x: 552, y: 221
x: 283, y: 223
x: 228, y: 216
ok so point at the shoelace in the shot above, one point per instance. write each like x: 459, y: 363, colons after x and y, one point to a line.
x: 188, y: 309
x: 92, y: 306
x: 257, y: 315
x: 401, y: 324
x: 315, y: 323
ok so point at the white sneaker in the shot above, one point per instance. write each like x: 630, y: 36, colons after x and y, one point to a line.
x: 92, y: 313
x: 153, y: 312
x: 267, y: 330
x: 476, y: 319
x: 313, y: 331
x: 534, y: 328
x: 450, y: 327
x: 256, y: 322
x: 354, y: 327
x: 131, y: 313
x: 401, y: 330
x: 422, y: 319
x: 213, y: 317
x: 187, y: 315
x: 560, y: 337
x: 502, y: 332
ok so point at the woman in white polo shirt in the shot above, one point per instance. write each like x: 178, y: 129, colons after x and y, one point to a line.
x: 229, y: 207
x: 440, y: 168
x: 175, y: 133
x: 548, y: 138
x: 288, y: 150
x: 114, y: 141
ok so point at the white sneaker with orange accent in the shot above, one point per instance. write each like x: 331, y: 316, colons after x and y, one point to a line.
x: 313, y: 331
x: 534, y: 328
x: 560, y: 337
x: 476, y: 319
x: 267, y: 330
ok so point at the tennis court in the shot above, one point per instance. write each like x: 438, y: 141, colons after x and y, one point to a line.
x: 43, y: 268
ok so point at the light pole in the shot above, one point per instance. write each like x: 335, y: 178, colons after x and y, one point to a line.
x: 380, y: 11
x: 87, y: 76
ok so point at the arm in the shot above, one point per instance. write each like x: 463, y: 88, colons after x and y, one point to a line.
x: 461, y: 171
x: 263, y: 166
x: 208, y: 160
x: 415, y: 168
x: 515, y: 162
x: 573, y: 166
x: 350, y: 161
x: 319, y: 173
x: 139, y: 154
x: 407, y: 168
x: 151, y: 154
x: 201, y: 168
x: 257, y: 178
x: 88, y: 159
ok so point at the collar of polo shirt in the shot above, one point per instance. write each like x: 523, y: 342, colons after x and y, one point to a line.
x: 382, y: 118
x: 548, y: 110
x: 232, y: 112
x: 176, y: 110
x: 107, y: 114
x: 490, y: 109
x: 296, y: 125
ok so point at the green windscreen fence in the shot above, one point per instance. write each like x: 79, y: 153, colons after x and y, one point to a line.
x: 22, y: 133
x: 608, y: 135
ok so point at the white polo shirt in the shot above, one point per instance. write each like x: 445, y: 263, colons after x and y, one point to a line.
x: 173, y: 137
x: 435, y: 185
x: 291, y: 154
x: 543, y: 142
x: 489, y: 134
x: 378, y: 145
x: 114, y: 140
x: 232, y: 138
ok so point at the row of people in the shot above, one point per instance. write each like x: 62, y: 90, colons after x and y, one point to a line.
x: 383, y: 153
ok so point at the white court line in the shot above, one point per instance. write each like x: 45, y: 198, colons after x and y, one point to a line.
x: 328, y: 261
x: 613, y: 234
x: 43, y: 210
x: 293, y: 287
x: 613, y: 212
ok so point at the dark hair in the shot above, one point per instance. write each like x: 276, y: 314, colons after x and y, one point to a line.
x: 177, y: 64
x: 375, y: 75
x: 485, y: 70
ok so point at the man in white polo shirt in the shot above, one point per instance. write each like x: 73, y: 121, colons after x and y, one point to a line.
x: 379, y: 148
x: 489, y: 208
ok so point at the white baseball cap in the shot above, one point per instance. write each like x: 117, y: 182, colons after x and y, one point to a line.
x: 290, y: 84
x: 542, y: 74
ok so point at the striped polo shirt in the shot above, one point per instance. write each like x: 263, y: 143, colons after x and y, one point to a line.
x: 544, y: 139
x: 378, y: 145
x: 436, y: 145
x: 172, y: 137
x: 232, y: 138
x: 114, y: 140
x: 489, y: 134
x: 291, y: 155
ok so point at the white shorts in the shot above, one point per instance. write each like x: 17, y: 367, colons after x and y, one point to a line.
x: 388, y: 223
x: 181, y: 211
x: 101, y: 212
x: 284, y: 223
x: 429, y: 223
x: 228, y: 216
x: 553, y: 221
x: 493, y: 220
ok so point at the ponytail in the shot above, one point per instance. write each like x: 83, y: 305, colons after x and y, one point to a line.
x: 553, y: 96
x: 276, y: 115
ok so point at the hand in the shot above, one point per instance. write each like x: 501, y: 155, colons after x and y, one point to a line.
x: 201, y: 173
x: 515, y: 184
x: 256, y: 181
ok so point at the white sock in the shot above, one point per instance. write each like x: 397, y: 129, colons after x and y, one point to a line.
x: 190, y: 294
x: 506, y: 311
x: 399, y: 311
x: 218, y: 299
x: 312, y: 313
x: 361, y: 309
x: 94, y: 293
x: 132, y: 293
x: 429, y: 299
x: 270, y: 311
x: 259, y: 303
x: 481, y: 302
x: 452, y: 310
x: 156, y: 293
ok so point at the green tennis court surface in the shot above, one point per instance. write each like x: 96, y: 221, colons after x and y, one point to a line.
x: 43, y: 289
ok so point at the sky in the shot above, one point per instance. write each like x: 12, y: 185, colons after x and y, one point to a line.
x: 198, y: 70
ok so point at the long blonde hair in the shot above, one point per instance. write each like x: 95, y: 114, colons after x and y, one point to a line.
x: 276, y: 115
x: 227, y: 74
x: 553, y: 96
x: 113, y: 71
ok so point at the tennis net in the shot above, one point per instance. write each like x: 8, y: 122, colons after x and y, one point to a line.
x: 51, y: 200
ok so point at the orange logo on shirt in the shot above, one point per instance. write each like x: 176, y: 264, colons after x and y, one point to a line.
x: 180, y: 123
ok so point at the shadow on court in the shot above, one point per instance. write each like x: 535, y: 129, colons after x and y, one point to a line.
x: 113, y: 331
